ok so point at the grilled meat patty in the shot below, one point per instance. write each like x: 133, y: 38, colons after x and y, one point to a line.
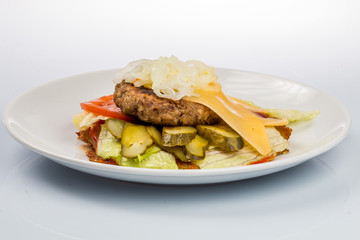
x: 144, y: 104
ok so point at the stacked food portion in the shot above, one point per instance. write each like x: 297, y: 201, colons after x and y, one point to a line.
x: 170, y: 114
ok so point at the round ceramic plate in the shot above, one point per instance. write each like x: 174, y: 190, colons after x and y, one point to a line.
x: 41, y: 120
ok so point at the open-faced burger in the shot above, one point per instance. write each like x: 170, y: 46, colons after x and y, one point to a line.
x: 170, y: 114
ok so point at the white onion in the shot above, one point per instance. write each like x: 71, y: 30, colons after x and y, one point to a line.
x: 168, y: 76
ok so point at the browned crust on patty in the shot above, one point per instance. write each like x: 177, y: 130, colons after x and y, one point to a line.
x: 144, y: 104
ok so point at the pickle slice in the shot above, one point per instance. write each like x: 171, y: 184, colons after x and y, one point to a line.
x: 134, y: 140
x: 195, y: 150
x: 221, y: 136
x: 115, y: 126
x: 157, y: 137
x: 177, y: 136
x: 178, y: 151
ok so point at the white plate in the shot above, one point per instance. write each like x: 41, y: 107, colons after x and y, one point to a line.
x: 41, y: 120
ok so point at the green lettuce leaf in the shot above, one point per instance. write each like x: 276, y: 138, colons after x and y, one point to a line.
x: 151, y: 150
x: 108, y: 146
x: 158, y: 160
x: 292, y: 115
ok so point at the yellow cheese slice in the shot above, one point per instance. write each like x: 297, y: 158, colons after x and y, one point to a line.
x: 247, y: 105
x: 242, y: 120
x: 274, y: 121
x: 266, y: 121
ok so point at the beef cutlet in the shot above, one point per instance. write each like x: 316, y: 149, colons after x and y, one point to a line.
x: 145, y: 105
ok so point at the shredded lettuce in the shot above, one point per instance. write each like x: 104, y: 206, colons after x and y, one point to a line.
x: 151, y: 150
x: 108, y: 146
x: 291, y: 114
x: 154, y: 158
x: 216, y: 158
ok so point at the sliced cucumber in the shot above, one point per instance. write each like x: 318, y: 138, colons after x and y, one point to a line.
x: 115, y: 126
x: 221, y: 136
x: 134, y: 140
x: 177, y: 136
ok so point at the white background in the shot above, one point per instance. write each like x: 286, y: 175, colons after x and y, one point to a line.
x: 312, y: 42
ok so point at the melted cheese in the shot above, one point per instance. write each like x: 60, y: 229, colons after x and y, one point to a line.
x: 242, y: 120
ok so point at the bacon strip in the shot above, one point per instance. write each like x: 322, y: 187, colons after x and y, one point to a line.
x: 284, y: 131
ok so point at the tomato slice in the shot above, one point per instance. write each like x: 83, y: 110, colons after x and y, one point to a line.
x: 105, y: 106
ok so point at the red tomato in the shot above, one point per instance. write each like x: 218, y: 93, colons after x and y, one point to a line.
x: 105, y: 106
